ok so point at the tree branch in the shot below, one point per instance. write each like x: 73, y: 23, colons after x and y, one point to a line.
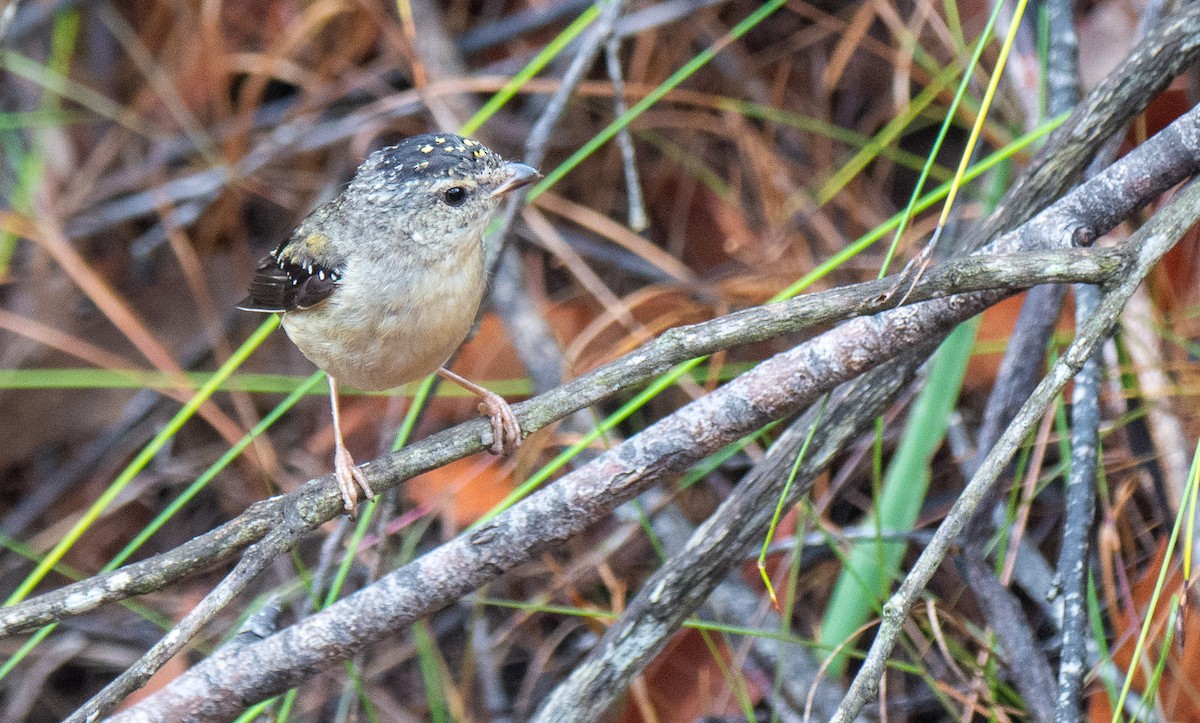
x: 678, y: 587
x: 318, y: 500
x: 774, y: 389
x: 1152, y: 241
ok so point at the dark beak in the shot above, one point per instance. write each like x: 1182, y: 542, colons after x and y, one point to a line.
x: 519, y: 176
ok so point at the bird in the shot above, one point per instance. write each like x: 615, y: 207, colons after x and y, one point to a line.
x: 380, y: 285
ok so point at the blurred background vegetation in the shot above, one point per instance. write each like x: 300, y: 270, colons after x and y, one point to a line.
x: 153, y: 151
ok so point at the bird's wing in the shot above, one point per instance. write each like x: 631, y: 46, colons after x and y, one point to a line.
x: 299, y: 274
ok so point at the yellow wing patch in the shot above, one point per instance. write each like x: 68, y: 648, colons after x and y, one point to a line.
x: 314, y: 246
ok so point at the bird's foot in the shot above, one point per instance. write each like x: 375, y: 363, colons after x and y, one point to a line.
x: 506, y: 432
x: 350, y: 480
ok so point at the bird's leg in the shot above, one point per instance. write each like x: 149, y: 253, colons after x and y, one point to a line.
x: 350, y: 477
x: 506, y: 432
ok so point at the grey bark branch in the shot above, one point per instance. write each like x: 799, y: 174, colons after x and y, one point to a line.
x: 1074, y: 553
x: 774, y: 389
x: 318, y: 500
x: 315, y: 503
x: 219, y: 686
x: 1019, y: 372
x: 278, y: 541
x: 1152, y: 241
x: 680, y: 585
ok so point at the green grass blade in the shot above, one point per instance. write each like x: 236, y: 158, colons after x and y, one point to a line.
x: 867, y: 240
x: 1139, y: 648
x: 428, y: 660
x: 948, y: 121
x: 672, y: 82
x: 673, y: 375
x: 543, y: 58
x: 315, y: 380
x: 873, y: 564
x: 139, y: 463
x: 31, y: 160
x: 887, y: 136
x: 783, y: 495
x: 59, y: 84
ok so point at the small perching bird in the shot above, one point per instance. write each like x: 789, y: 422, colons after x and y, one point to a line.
x: 380, y: 285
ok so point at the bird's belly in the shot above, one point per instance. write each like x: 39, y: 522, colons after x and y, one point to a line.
x: 375, y: 346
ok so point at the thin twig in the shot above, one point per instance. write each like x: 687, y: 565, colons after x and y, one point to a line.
x: 1151, y: 241
x: 633, y: 185
x: 1075, y: 553
x: 679, y: 440
x: 1063, y: 88
x: 278, y: 541
x: 684, y: 581
x: 318, y: 500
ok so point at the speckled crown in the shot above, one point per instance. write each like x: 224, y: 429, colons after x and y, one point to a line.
x: 436, y: 155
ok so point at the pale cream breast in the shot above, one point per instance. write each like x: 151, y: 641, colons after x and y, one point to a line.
x: 393, y: 326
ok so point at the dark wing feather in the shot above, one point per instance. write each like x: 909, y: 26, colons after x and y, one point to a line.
x: 282, y: 283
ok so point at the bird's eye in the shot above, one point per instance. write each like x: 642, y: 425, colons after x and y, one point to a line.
x: 455, y: 195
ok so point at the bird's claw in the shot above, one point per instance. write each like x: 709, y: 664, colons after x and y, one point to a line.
x: 350, y: 479
x: 506, y: 431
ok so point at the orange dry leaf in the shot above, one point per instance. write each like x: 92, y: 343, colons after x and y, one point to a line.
x: 994, y: 330
x: 994, y: 333
x: 462, y: 490
x: 1178, y: 693
x: 685, y: 683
